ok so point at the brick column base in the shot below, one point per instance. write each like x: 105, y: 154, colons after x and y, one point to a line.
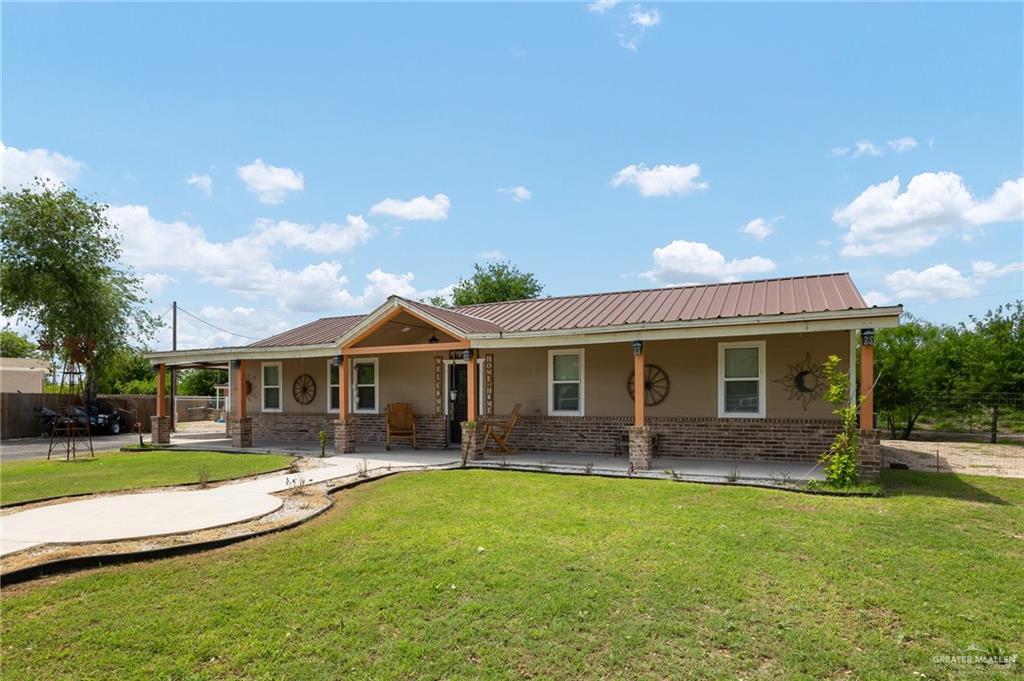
x: 870, y: 455
x: 160, y: 430
x: 345, y: 436
x: 472, y: 441
x: 641, y: 447
x: 241, y: 432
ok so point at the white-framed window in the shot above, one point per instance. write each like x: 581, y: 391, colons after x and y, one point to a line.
x: 332, y: 386
x: 364, y: 385
x: 271, y: 382
x: 565, y: 382
x: 741, y: 379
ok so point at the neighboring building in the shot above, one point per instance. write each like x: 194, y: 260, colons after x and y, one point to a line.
x: 729, y: 370
x: 19, y: 375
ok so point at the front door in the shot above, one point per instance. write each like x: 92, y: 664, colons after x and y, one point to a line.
x: 457, y: 401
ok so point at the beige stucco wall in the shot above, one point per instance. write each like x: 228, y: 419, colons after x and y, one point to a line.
x: 22, y: 375
x: 521, y: 375
x: 403, y: 378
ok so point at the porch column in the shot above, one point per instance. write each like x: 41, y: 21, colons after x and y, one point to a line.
x: 160, y: 425
x: 472, y: 437
x: 241, y: 425
x: 471, y: 387
x: 345, y: 426
x: 640, y: 436
x: 867, y: 379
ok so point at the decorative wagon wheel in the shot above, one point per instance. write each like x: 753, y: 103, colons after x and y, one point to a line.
x: 655, y: 385
x: 304, y: 389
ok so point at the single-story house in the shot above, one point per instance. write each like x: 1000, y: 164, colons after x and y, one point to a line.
x: 731, y: 370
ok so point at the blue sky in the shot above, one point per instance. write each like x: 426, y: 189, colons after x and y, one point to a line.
x: 603, y: 147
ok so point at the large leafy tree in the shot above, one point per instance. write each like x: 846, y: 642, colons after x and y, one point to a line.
x: 13, y: 344
x: 126, y: 370
x: 993, y: 357
x: 492, y: 283
x: 916, y: 363
x: 200, y: 381
x: 60, y: 270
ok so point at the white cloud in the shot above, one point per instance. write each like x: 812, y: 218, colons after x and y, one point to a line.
x: 984, y: 270
x: 940, y: 282
x: 760, y: 228
x: 602, y: 6
x: 420, y: 208
x: 839, y: 151
x: 517, y: 192
x: 491, y: 255
x: 644, y: 18
x: 901, y: 144
x: 270, y: 183
x: 824, y: 243
x: 329, y: 237
x: 204, y: 183
x: 20, y: 167
x: 882, y: 220
x: 1005, y: 205
x: 866, y: 148
x: 689, y: 261
x: 249, y: 322
x: 661, y: 180
x: 155, y: 282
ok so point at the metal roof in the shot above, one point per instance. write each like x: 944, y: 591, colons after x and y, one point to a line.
x: 321, y: 332
x: 789, y: 295
x: 765, y: 297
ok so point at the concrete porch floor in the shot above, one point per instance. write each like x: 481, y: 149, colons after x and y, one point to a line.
x: 768, y: 473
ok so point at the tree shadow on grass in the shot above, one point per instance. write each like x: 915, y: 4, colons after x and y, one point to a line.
x: 948, y: 485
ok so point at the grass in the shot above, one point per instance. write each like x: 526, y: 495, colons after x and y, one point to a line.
x: 110, y: 471
x: 491, y: 574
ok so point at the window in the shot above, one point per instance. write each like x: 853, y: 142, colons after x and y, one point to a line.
x: 565, y: 376
x: 741, y: 384
x: 271, y: 386
x: 332, y: 386
x: 364, y: 386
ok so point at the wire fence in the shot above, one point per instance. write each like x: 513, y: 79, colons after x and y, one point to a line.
x: 958, y: 412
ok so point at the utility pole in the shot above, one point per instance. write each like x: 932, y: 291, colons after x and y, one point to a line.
x: 174, y: 372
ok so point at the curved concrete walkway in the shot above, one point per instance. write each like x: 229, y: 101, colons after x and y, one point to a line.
x: 147, y: 514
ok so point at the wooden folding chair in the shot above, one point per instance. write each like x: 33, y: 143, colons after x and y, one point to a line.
x: 401, y: 423
x: 500, y: 432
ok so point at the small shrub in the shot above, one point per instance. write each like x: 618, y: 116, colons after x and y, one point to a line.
x: 323, y: 443
x: 204, y: 477
x: 361, y: 470
x: 734, y: 474
x: 840, y: 461
x: 588, y: 467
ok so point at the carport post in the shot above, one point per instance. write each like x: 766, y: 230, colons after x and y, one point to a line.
x: 161, y: 390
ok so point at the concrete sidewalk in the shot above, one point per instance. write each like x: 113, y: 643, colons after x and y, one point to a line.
x: 133, y: 516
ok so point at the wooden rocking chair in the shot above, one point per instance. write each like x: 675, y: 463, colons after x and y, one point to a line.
x: 401, y: 422
x: 500, y: 432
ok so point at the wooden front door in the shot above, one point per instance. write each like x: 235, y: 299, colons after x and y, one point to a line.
x: 457, y: 401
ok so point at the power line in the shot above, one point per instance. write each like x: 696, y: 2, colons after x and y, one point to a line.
x: 214, y: 326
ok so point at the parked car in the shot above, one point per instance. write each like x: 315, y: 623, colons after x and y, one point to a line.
x: 102, y: 417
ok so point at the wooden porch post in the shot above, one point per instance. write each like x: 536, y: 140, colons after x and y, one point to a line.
x: 161, y: 390
x: 343, y: 389
x: 471, y: 385
x: 241, y: 397
x: 867, y: 379
x: 638, y: 384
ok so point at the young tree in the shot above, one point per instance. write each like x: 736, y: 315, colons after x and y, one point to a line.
x: 495, y: 282
x: 13, y: 344
x: 123, y: 367
x: 59, y: 269
x: 993, y: 349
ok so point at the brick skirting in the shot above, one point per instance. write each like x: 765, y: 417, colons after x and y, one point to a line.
x: 750, y: 439
x: 370, y: 428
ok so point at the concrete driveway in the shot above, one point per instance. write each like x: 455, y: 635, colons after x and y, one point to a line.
x: 36, y: 447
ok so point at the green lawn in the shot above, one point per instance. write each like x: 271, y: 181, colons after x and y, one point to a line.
x: 496, y: 574
x: 109, y: 471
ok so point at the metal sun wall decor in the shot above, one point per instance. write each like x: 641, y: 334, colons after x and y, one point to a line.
x: 304, y: 389
x: 805, y: 381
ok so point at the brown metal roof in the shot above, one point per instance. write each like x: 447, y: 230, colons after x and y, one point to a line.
x: 789, y: 295
x: 320, y: 332
x: 765, y: 297
x: 454, y: 318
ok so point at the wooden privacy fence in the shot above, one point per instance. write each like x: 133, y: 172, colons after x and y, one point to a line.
x: 19, y: 411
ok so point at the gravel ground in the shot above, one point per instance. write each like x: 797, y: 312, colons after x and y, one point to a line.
x: 974, y: 458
